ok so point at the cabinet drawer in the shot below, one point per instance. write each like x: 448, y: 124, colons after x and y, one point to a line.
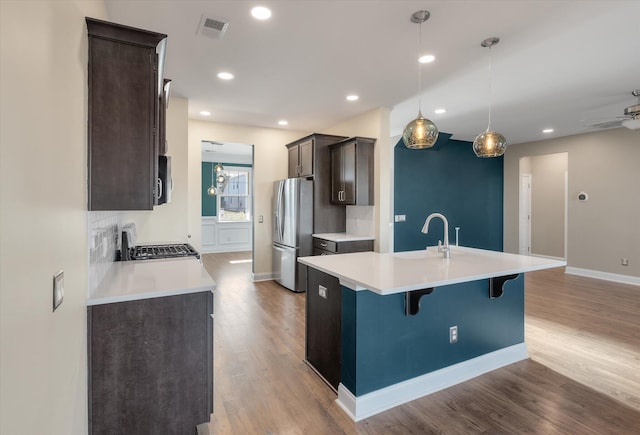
x: 317, y: 251
x: 326, y: 245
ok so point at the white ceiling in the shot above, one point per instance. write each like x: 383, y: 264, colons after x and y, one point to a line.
x: 559, y: 64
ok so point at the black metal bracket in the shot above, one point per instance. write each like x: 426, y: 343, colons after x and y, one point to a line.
x: 412, y: 300
x: 496, y: 285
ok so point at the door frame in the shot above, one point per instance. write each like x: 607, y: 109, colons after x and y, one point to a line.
x: 524, y: 214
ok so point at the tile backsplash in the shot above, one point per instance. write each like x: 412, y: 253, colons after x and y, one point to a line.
x: 360, y: 220
x: 104, y: 230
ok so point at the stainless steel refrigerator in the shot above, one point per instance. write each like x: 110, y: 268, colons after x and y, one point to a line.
x: 292, y: 228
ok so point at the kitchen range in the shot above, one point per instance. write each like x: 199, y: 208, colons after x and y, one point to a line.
x: 131, y: 251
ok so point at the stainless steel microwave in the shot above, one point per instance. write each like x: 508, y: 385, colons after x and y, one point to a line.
x: 165, y: 182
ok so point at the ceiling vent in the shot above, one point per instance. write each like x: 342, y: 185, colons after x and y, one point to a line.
x: 213, y: 28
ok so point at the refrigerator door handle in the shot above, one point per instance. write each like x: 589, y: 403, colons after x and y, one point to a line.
x: 279, y: 212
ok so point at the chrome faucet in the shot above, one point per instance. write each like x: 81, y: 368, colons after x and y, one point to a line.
x: 446, y: 252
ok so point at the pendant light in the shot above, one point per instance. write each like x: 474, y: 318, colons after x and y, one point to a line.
x: 218, y: 168
x: 211, y: 191
x: 489, y: 143
x: 421, y: 132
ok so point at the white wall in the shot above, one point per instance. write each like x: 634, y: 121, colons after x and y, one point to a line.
x: 548, y: 204
x: 168, y: 222
x: 605, y: 228
x: 43, y: 217
x: 270, y: 164
x: 375, y: 124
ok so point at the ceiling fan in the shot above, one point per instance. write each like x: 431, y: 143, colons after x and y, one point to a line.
x: 630, y: 120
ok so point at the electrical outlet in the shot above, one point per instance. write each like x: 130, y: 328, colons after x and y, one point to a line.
x: 322, y: 291
x: 400, y: 218
x: 453, y: 334
x: 260, y: 219
x: 625, y: 261
x: 58, y: 289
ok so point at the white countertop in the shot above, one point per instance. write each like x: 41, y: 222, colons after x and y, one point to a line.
x: 404, y: 271
x: 144, y: 279
x: 342, y: 237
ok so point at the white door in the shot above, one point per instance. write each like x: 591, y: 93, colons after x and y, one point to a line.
x: 525, y: 214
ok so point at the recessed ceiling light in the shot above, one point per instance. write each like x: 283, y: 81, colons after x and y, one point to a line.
x: 548, y: 130
x: 261, y: 13
x: 426, y: 58
x: 440, y: 111
x: 205, y: 113
x: 283, y: 122
x: 352, y: 97
x: 225, y: 75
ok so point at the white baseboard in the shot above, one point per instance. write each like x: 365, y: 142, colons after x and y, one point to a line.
x: 267, y: 276
x: 625, y: 279
x: 361, y: 407
x: 550, y: 257
x: 218, y: 249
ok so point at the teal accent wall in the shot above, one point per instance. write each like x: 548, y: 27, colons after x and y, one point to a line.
x: 451, y: 180
x: 208, y: 202
x: 209, y: 207
x: 381, y: 346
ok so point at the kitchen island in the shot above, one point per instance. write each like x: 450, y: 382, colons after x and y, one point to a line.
x: 413, y: 323
x: 150, y: 345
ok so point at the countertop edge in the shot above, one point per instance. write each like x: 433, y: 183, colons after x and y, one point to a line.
x: 148, y: 279
x: 148, y: 295
x: 342, y: 237
x: 360, y: 286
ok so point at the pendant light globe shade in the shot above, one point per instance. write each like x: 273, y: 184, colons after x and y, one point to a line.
x: 211, y: 191
x: 489, y: 144
x: 218, y: 168
x: 221, y: 179
x: 420, y: 133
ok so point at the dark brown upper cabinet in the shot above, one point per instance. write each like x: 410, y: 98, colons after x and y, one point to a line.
x: 301, y: 159
x: 314, y: 150
x: 125, y: 86
x: 352, y: 171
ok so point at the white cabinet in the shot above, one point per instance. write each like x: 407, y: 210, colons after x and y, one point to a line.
x: 226, y: 236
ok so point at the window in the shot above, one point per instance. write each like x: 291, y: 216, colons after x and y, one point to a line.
x: 234, y: 196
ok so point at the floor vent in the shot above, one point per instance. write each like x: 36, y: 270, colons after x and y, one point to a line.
x: 212, y: 27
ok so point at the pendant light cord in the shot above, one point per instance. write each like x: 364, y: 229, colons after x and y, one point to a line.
x: 420, y: 71
x: 490, y: 74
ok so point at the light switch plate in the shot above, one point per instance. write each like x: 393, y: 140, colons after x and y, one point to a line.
x: 58, y: 289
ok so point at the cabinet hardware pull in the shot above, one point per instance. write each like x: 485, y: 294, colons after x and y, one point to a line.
x: 324, y: 245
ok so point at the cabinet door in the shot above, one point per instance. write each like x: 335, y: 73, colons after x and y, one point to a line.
x: 151, y: 365
x: 324, y: 321
x: 121, y: 119
x: 305, y: 157
x: 293, y: 161
x: 348, y: 152
x: 336, y: 175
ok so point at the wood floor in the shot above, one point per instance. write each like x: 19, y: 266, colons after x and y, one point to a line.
x: 583, y: 376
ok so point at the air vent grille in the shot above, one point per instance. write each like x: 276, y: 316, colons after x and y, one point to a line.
x: 212, y: 27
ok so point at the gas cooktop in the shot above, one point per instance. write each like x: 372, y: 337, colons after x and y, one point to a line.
x: 150, y: 252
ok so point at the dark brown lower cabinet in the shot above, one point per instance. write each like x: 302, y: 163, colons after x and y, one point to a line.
x: 324, y: 319
x: 151, y: 365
